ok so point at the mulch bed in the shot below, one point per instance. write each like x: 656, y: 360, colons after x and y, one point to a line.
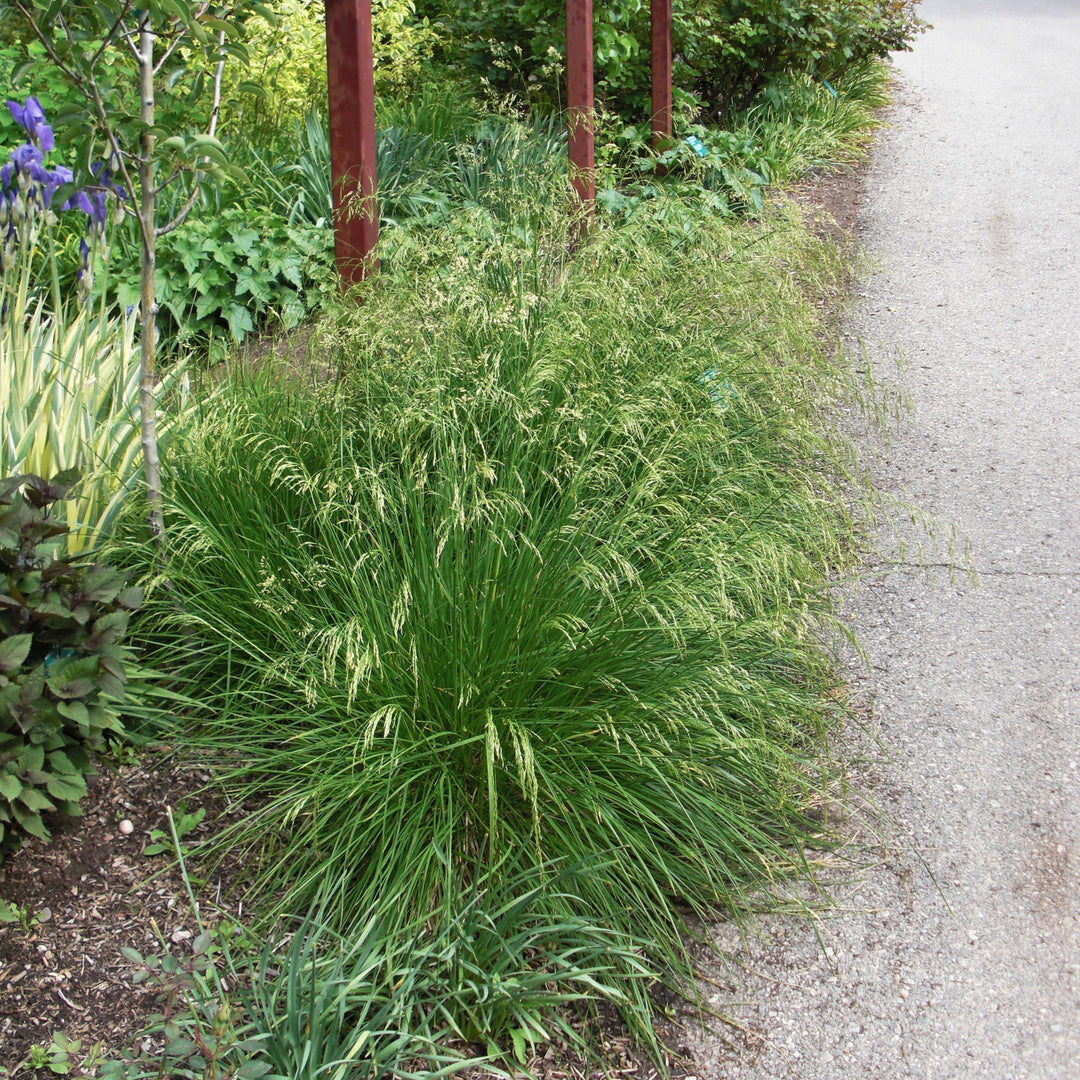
x: 84, y: 896
x: 91, y: 892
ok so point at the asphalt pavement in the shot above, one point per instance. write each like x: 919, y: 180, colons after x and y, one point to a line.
x: 958, y: 956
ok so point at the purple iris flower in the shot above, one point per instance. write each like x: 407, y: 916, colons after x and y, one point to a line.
x: 79, y: 201
x: 49, y: 179
x: 93, y: 202
x: 104, y: 176
x: 6, y: 173
x: 25, y: 155
x: 45, y: 138
x: 31, y: 118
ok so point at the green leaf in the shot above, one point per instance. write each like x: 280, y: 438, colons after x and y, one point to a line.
x: 107, y: 630
x: 61, y: 763
x: 34, y: 800
x: 240, y: 321
x: 252, y: 88
x: 130, y: 598
x: 252, y: 1070
x: 13, y: 651
x: 30, y: 821
x: 75, y: 711
x: 179, y: 1047
x: 518, y: 1037
x: 31, y: 759
x: 74, y: 678
x: 101, y: 585
x: 10, y: 786
x: 246, y: 241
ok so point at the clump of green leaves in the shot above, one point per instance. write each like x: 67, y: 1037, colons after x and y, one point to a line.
x: 725, y: 52
x: 218, y: 277
x: 63, y: 670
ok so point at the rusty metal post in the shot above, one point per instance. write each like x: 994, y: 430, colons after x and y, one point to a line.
x: 661, y: 74
x: 579, y: 97
x: 351, y: 81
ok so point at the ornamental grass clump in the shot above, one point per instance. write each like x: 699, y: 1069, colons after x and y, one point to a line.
x: 536, y: 583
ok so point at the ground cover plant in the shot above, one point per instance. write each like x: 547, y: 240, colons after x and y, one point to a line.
x: 63, y: 669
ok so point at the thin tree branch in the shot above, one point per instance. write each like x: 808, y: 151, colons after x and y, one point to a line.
x: 182, y: 213
x: 177, y: 42
x: 109, y: 36
x: 129, y: 37
x: 215, y: 111
x: 165, y: 183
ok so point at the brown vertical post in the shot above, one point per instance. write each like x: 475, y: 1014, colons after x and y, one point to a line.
x: 579, y: 97
x: 661, y: 74
x: 351, y: 81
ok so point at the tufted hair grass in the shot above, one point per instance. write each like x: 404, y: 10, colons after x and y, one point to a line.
x: 537, y: 580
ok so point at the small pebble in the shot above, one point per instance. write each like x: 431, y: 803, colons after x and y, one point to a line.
x: 126, y: 827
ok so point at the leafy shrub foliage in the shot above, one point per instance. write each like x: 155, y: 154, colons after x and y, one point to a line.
x: 63, y: 670
x: 286, y: 75
x: 219, y: 276
x: 725, y: 52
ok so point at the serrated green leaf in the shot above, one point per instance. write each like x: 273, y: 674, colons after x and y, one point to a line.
x: 67, y: 788
x: 101, y: 585
x: 59, y: 762
x: 10, y: 786
x: 107, y: 630
x: 179, y: 1047
x: 131, y: 598
x: 240, y: 321
x: 14, y: 651
x: 75, y: 711
x: 30, y: 821
x: 252, y: 1070
x: 34, y: 800
x: 32, y: 758
x: 73, y: 678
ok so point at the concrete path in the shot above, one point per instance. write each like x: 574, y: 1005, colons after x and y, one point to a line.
x: 965, y: 965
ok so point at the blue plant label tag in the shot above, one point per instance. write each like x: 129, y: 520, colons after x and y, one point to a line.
x: 697, y: 146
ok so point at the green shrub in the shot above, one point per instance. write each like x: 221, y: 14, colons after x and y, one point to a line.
x: 220, y: 277
x: 724, y: 52
x: 286, y: 76
x: 63, y: 670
